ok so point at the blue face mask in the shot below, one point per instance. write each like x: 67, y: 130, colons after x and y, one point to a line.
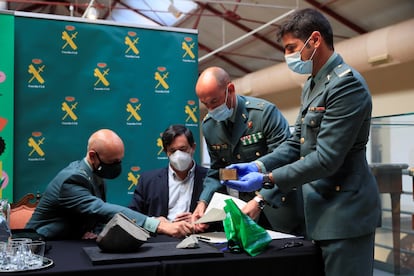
x: 221, y: 112
x: 296, y: 64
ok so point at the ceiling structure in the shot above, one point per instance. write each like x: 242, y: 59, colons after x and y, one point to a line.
x: 239, y: 35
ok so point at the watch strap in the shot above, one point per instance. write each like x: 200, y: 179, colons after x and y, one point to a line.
x: 267, y: 183
x: 260, y: 201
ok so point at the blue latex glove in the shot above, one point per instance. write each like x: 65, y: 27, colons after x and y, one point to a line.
x: 244, y: 168
x: 250, y: 182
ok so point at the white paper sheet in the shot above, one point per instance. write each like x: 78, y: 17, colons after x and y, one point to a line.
x: 220, y: 237
x: 215, y: 209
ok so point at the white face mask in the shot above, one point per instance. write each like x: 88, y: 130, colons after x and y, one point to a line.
x: 221, y: 112
x: 296, y: 64
x: 180, y: 160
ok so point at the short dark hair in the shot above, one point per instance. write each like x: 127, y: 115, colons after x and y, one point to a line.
x: 173, y: 131
x: 303, y: 22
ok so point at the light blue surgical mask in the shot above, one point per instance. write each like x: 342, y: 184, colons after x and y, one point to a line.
x: 296, y: 64
x: 222, y: 112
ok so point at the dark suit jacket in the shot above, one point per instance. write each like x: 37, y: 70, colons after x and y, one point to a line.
x: 151, y: 193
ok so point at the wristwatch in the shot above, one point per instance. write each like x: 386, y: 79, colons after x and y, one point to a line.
x: 260, y: 201
x: 267, y: 183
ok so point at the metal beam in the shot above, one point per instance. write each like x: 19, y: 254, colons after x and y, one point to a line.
x: 226, y: 59
x: 245, y: 36
x: 336, y: 16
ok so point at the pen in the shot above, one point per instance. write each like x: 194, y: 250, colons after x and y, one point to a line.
x: 291, y: 244
x: 203, y: 238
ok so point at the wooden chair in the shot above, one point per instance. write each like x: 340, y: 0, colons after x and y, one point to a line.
x: 22, y: 210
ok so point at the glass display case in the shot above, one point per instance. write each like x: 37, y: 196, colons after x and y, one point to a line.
x: 391, y: 154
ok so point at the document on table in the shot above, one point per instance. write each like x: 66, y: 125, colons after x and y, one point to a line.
x: 220, y: 237
x: 279, y: 235
x: 211, y: 237
x: 215, y: 212
x: 215, y: 209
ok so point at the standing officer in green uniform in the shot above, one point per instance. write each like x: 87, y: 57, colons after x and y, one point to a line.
x: 241, y: 129
x: 326, y: 155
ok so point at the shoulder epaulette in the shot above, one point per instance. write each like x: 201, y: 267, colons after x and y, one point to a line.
x: 84, y: 174
x: 342, y: 70
x: 256, y: 103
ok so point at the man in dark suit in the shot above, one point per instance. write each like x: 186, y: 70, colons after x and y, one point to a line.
x: 171, y: 192
x: 74, y: 205
x: 326, y: 156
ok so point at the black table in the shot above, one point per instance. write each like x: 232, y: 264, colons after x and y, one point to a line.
x: 70, y: 258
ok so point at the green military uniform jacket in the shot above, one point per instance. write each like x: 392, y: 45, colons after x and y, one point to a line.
x: 326, y: 156
x: 255, y: 129
x: 74, y: 202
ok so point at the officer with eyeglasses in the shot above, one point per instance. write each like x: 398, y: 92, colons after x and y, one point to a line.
x: 241, y: 129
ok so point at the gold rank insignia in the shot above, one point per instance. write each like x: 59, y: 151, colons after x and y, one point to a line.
x: 251, y: 138
x: 218, y: 147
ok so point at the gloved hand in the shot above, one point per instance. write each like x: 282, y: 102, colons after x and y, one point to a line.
x: 244, y: 168
x: 250, y: 182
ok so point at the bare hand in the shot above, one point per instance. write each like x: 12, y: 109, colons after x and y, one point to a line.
x: 175, y: 229
x: 251, y: 209
x: 200, y: 227
x: 89, y: 236
x: 198, y: 213
x: 186, y: 216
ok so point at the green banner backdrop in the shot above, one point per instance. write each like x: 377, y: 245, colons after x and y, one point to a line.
x: 6, y: 105
x: 73, y: 76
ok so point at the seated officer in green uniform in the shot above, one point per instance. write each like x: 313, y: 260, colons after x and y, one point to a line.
x: 242, y: 129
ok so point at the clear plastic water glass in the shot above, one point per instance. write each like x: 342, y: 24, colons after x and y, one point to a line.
x: 20, y: 254
x: 36, y: 253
